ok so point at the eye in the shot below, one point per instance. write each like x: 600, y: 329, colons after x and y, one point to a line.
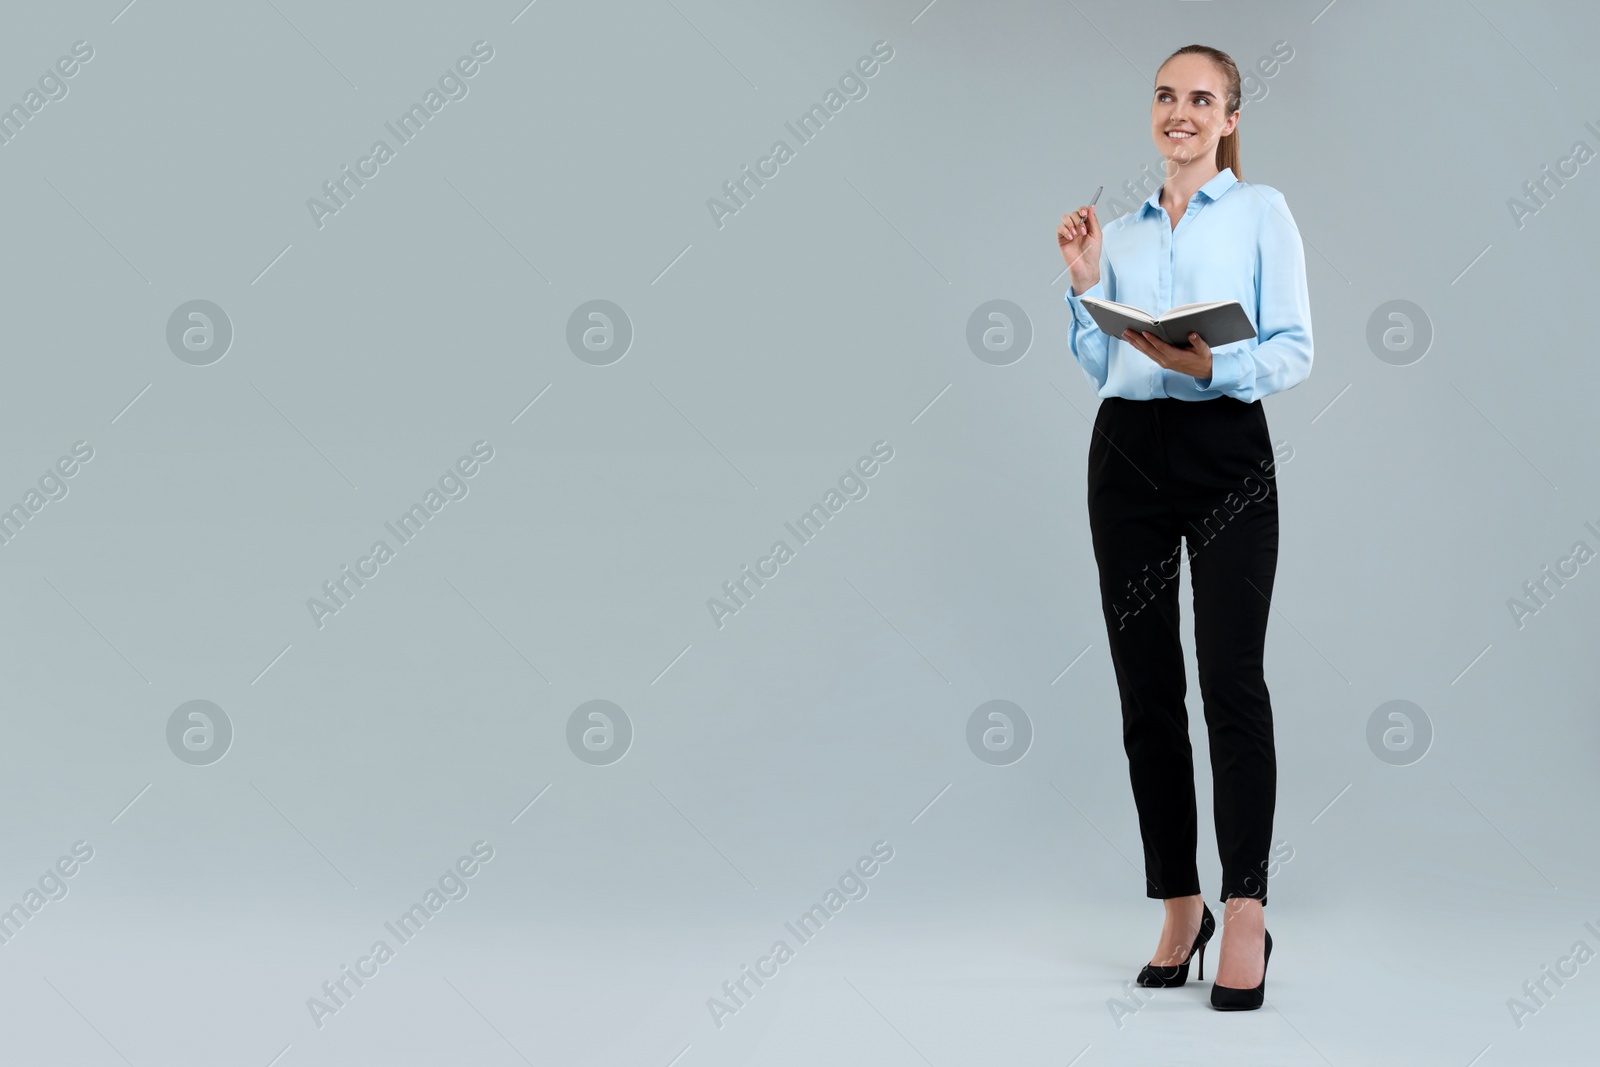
x: 1202, y: 100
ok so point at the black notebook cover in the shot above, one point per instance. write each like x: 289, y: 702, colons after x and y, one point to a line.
x: 1217, y: 322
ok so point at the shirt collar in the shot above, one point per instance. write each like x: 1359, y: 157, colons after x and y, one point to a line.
x: 1211, y: 190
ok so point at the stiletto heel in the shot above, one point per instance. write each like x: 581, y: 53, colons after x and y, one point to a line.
x: 1167, y: 977
x: 1228, y: 998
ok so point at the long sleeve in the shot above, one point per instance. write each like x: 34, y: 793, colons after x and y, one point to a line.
x: 1090, y: 346
x: 1281, y: 358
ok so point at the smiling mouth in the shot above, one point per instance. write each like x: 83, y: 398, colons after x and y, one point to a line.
x: 1180, y: 135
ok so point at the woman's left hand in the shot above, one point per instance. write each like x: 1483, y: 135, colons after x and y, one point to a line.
x: 1195, y: 362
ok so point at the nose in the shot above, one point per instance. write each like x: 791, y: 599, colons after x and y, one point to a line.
x: 1181, y: 116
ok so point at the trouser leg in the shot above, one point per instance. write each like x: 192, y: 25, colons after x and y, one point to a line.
x: 1232, y: 536
x: 1136, y: 540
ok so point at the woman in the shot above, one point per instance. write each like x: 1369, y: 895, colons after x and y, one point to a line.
x: 1180, y: 449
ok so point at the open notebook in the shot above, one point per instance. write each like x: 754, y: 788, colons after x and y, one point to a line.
x: 1219, y: 322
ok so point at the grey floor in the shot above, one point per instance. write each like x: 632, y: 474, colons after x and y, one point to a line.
x: 1369, y: 967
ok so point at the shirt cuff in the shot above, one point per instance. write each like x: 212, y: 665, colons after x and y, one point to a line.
x: 1227, y: 370
x: 1081, y: 313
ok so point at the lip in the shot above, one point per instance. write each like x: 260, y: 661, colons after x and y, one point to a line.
x: 1169, y: 133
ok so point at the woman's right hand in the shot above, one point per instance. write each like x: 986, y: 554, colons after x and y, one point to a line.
x: 1079, y: 239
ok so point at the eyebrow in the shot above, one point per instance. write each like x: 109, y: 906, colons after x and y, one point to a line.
x: 1196, y: 92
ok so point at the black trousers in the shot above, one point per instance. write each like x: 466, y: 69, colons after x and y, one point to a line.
x: 1202, y: 471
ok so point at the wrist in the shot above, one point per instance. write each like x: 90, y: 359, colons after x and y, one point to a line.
x: 1081, y: 285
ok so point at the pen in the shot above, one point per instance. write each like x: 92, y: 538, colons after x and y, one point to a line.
x: 1092, y: 199
x: 1096, y: 196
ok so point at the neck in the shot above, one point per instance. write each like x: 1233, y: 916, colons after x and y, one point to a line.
x: 1185, y: 179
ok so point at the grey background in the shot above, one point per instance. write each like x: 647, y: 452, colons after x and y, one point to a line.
x: 831, y: 712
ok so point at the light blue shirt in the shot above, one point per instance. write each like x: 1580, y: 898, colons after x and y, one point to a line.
x: 1235, y: 241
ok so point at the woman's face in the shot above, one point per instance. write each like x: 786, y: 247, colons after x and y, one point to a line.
x: 1190, y: 99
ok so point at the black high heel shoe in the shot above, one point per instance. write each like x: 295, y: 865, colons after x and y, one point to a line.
x: 1228, y: 998
x: 1166, y: 977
